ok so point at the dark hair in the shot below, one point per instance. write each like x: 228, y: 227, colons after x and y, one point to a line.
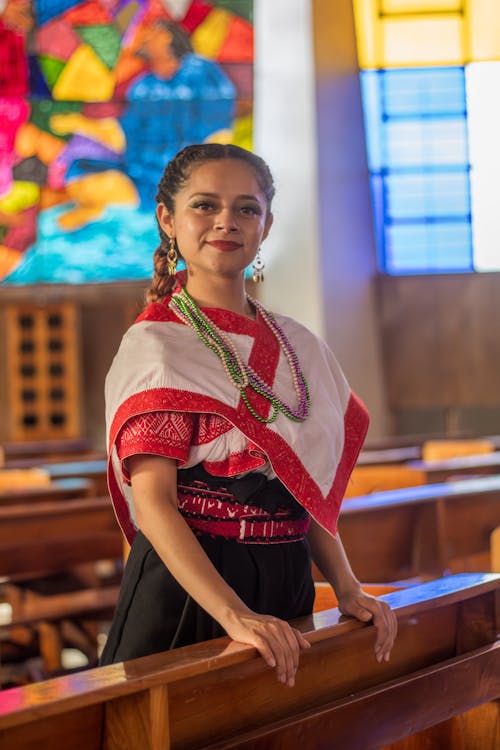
x: 174, y: 178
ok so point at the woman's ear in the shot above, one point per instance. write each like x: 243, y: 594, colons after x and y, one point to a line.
x: 165, y: 219
x: 268, y: 225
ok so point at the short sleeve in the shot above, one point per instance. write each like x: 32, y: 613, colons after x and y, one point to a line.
x: 160, y: 433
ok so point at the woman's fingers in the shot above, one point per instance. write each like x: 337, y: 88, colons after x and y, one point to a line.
x: 365, y: 607
x: 277, y: 642
x: 386, y: 625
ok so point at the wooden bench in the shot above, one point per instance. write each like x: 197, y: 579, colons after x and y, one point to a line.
x: 94, y: 470
x: 421, y: 531
x: 41, y: 449
x: 382, y: 456
x: 427, y: 450
x: 57, y: 489
x: 442, y: 471
x: 379, y: 478
x: 219, y: 694
x: 37, y: 540
x: 53, y: 536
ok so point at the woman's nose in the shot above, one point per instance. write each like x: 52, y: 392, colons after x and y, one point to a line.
x: 226, y: 221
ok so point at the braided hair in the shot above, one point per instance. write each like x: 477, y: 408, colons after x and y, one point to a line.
x: 174, y: 178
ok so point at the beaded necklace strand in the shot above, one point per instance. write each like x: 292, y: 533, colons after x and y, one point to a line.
x: 237, y: 370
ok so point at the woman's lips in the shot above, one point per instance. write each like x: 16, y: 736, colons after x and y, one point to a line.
x: 224, y: 245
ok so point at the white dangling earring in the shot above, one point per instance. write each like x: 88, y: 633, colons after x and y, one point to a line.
x: 258, y: 266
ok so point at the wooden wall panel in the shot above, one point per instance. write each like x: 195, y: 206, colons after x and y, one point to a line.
x: 441, y: 342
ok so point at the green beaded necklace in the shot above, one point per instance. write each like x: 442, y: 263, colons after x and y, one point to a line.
x: 238, y: 371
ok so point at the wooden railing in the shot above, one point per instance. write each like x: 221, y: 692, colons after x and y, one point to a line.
x: 220, y: 694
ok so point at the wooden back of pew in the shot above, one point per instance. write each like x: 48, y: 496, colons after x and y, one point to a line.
x: 436, y: 450
x: 53, y: 536
x: 15, y: 478
x: 219, y: 694
x: 44, y: 448
x: 383, y: 456
x: 421, y: 531
x: 95, y: 470
x: 379, y: 478
x: 444, y: 470
x: 58, y: 489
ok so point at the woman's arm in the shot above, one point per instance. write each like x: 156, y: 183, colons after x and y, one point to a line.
x: 329, y: 555
x: 154, y: 486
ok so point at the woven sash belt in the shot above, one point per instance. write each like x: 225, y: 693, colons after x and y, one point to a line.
x: 218, y: 512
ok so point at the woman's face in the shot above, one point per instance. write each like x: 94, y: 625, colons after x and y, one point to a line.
x: 220, y: 218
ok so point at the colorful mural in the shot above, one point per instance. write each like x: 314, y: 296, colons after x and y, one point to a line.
x: 95, y: 98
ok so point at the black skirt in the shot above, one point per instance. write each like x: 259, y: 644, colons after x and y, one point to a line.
x: 154, y: 613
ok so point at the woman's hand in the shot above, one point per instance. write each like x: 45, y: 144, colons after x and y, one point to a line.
x: 277, y: 642
x: 366, y: 607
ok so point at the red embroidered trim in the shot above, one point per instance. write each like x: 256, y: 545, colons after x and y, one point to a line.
x: 207, y: 427
x: 157, y: 430
x: 286, y: 464
x: 210, y: 513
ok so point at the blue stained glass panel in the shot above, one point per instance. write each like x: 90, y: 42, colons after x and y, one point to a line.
x: 423, y: 92
x: 417, y: 146
x: 432, y: 194
x: 424, y: 143
x: 428, y: 247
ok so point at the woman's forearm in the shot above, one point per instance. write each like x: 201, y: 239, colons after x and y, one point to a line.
x: 154, y: 484
x: 175, y: 543
x: 329, y: 555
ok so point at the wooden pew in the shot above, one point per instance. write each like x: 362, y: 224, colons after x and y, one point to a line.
x: 94, y: 470
x: 53, y: 536
x: 57, y: 489
x: 389, y: 456
x: 37, y: 540
x: 428, y: 449
x: 437, y: 450
x: 441, y: 471
x: 378, y: 478
x: 218, y: 694
x: 421, y: 531
x: 45, y: 449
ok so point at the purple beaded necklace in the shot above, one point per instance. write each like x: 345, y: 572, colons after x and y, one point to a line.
x: 238, y: 371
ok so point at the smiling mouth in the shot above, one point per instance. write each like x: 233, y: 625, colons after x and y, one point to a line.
x: 224, y: 245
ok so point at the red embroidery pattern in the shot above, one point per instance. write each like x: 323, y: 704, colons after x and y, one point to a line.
x: 211, y: 513
x: 286, y: 464
x: 163, y: 429
x: 207, y: 427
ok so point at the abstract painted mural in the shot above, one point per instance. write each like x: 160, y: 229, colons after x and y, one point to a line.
x: 95, y: 98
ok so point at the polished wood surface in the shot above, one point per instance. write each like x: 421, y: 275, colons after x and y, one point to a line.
x: 15, y: 478
x: 94, y: 470
x: 222, y: 692
x: 52, y: 536
x: 378, y: 478
x: 443, y: 470
x: 395, y: 455
x: 421, y: 531
x: 436, y: 450
x: 41, y: 448
x: 57, y: 489
x: 50, y: 581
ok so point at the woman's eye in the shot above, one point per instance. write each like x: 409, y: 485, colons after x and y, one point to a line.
x: 203, y: 205
x: 251, y: 210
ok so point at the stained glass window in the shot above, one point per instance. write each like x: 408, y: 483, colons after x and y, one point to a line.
x: 96, y: 96
x: 430, y: 70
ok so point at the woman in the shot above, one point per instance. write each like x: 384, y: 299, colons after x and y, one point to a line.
x: 232, y: 435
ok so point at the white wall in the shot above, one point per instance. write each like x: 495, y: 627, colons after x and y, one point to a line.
x: 320, y: 257
x: 284, y: 135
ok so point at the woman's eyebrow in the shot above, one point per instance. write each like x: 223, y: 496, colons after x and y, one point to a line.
x: 216, y: 195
